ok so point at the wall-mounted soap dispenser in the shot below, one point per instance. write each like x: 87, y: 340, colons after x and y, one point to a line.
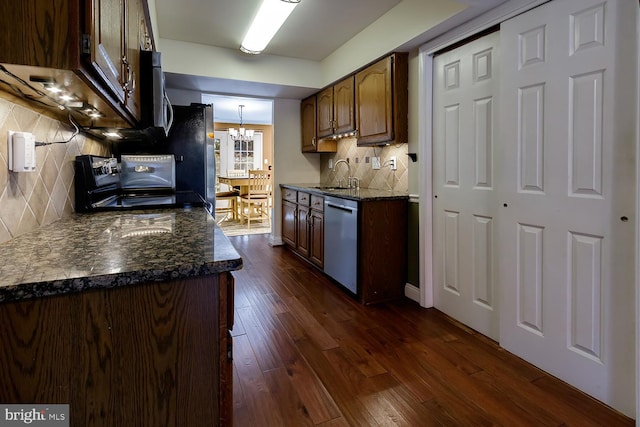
x: 22, y: 151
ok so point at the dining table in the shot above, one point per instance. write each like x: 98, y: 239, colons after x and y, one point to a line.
x: 240, y: 182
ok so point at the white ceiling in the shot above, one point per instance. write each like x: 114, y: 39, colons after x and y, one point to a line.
x: 314, y: 30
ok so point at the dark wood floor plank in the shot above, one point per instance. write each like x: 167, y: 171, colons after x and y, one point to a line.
x: 343, y: 390
x: 259, y: 340
x: 575, y: 400
x: 259, y: 403
x: 306, y: 353
x: 318, y: 403
x: 292, y: 410
x: 310, y: 324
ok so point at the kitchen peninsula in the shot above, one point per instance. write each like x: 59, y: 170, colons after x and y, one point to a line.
x: 122, y: 315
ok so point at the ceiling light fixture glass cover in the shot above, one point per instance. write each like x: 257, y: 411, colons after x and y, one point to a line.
x: 265, y: 25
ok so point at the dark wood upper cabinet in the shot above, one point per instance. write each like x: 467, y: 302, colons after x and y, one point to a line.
x: 324, y: 109
x: 91, y: 48
x: 343, y: 105
x: 382, y: 101
x: 373, y: 103
x: 310, y: 142
x: 336, y: 109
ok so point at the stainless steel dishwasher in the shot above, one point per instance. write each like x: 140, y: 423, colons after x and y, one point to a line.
x: 341, y: 241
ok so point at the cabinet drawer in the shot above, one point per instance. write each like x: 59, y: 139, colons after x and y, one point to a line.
x: 304, y: 198
x: 290, y: 195
x: 317, y: 202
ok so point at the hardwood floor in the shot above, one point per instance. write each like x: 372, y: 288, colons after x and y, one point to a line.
x: 305, y: 354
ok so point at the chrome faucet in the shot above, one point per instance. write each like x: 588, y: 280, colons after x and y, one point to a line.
x: 346, y: 162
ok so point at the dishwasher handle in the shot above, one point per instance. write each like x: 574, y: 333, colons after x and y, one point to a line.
x: 341, y: 207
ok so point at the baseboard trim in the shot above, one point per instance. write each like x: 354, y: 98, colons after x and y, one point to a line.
x: 412, y: 292
x: 275, y: 241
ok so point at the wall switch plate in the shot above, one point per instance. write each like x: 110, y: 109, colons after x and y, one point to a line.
x: 375, y: 163
x: 394, y: 165
x: 330, y: 163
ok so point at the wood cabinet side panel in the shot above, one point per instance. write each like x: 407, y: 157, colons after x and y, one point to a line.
x: 308, y: 126
x: 401, y: 98
x: 37, y: 342
x: 383, y: 250
x: 138, y: 355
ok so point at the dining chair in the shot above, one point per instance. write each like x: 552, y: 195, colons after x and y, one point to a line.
x: 230, y: 199
x: 254, y: 205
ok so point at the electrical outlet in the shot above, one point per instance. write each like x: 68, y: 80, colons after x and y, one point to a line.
x: 375, y: 163
x: 394, y: 165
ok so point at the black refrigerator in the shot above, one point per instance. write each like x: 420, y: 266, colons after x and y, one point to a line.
x: 190, y: 139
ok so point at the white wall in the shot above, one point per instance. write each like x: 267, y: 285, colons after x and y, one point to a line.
x: 183, y: 97
x: 208, y: 61
x: 290, y: 164
x: 409, y: 20
x: 405, y: 22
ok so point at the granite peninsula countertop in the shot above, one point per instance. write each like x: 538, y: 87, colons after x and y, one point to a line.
x: 358, y: 194
x: 111, y: 249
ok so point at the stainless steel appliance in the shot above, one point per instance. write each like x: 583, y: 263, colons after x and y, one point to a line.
x: 137, y: 181
x: 191, y: 142
x: 341, y: 241
x: 156, y: 109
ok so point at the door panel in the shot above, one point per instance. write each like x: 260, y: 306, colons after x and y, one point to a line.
x: 565, y: 181
x: 465, y: 92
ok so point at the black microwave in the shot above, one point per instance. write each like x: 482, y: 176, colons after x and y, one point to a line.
x: 156, y: 111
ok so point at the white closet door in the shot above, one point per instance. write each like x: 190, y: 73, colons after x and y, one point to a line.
x: 567, y: 192
x: 464, y: 208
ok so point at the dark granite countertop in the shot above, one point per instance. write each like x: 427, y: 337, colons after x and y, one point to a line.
x: 359, y: 194
x: 111, y: 249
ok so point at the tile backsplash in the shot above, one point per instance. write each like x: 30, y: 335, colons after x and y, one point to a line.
x: 29, y: 200
x: 360, y: 162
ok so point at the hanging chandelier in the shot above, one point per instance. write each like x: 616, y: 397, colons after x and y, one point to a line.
x: 241, y: 134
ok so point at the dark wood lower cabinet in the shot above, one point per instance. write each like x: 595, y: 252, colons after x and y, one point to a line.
x: 316, y: 237
x: 303, y: 224
x: 289, y: 227
x: 146, y: 355
x: 382, y: 256
x: 382, y: 240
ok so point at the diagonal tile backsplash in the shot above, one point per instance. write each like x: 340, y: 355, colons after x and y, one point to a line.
x: 360, y: 162
x: 29, y: 200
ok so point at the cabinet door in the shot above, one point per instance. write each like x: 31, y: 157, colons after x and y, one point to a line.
x: 316, y: 233
x: 135, y: 28
x: 289, y: 223
x: 303, y: 230
x: 107, y: 43
x: 325, y: 123
x: 343, y: 106
x: 374, y: 106
x: 308, y: 117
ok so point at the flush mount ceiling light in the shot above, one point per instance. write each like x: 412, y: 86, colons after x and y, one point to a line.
x: 265, y: 25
